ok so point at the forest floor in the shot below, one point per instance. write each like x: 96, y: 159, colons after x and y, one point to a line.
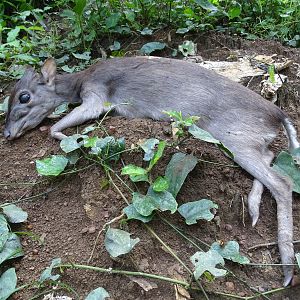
x: 72, y: 209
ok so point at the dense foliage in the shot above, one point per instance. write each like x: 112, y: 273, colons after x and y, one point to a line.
x: 33, y: 30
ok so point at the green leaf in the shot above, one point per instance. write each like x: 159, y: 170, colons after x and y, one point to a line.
x: 132, y: 213
x: 149, y: 148
x: 287, y: 165
x: 207, y: 261
x: 178, y: 169
x: 297, y: 255
x: 202, y: 135
x: 146, y: 31
x: 4, y: 105
x: 115, y: 47
x: 130, y: 15
x: 163, y: 200
x: 83, y: 56
x: 13, y: 34
x: 160, y: 184
x: 112, y: 20
x: 271, y: 71
x: 73, y: 157
x: 79, y: 7
x: 8, y: 283
x: 4, y: 231
x: 143, y: 204
x: 70, y: 143
x: 157, y: 155
x: 51, y: 166
x: 196, y: 210
x: 88, y: 129
x: 152, y: 46
x: 187, y: 48
x: 46, y: 275
x: 135, y: 173
x: 118, y: 242
x: 234, y: 12
x: 230, y: 251
x: 14, y: 213
x: 12, y: 248
x: 182, y: 30
x: 207, y: 5
x: 59, y: 110
x: 98, y: 294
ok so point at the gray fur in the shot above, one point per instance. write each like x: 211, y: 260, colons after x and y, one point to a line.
x: 242, y: 120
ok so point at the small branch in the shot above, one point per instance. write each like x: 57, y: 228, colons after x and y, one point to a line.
x: 269, y: 244
x: 99, y: 233
x: 123, y: 272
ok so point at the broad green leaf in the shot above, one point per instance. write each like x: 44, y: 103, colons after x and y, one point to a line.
x: 46, y: 275
x: 143, y: 204
x: 79, y: 7
x: 90, y: 142
x: 207, y: 5
x: 135, y: 173
x: 115, y: 46
x: 98, y: 294
x: 287, y: 165
x: 149, y: 147
x: 4, y: 231
x: 51, y: 166
x: 207, y: 261
x: 196, y: 210
x: 132, y: 213
x: 70, y: 143
x: 130, y: 15
x: 83, y: 56
x: 157, y: 155
x: 13, y: 34
x: 14, y: 213
x: 188, y: 48
x: 230, y: 251
x: 4, y: 105
x: 112, y: 20
x: 298, y: 259
x: 59, y: 110
x: 163, y: 200
x: 182, y: 30
x: 146, y: 31
x: 88, y: 129
x: 234, y: 12
x: 152, y: 46
x: 178, y: 169
x: 118, y: 242
x: 11, y: 249
x: 202, y: 135
x: 160, y: 184
x: 73, y: 157
x: 8, y: 283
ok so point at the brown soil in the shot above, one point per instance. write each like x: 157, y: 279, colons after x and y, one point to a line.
x: 72, y: 209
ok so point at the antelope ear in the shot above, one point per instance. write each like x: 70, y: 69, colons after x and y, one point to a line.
x: 49, y: 71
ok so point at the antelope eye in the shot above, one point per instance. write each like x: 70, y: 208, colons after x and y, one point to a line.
x: 24, y: 98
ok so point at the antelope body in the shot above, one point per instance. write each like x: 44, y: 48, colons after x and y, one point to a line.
x: 241, y: 119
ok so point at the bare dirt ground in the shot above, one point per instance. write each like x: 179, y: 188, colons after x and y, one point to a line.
x: 72, y: 209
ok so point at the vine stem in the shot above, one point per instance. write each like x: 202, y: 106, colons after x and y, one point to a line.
x: 124, y: 272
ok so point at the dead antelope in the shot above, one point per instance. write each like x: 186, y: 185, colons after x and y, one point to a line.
x: 242, y: 120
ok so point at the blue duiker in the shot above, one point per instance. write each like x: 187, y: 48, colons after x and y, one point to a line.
x: 241, y: 119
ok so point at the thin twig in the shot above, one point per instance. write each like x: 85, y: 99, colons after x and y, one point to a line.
x: 99, y: 233
x: 269, y: 244
x: 123, y: 272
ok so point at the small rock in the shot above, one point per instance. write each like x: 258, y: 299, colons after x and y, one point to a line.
x: 230, y: 286
x: 112, y: 129
x: 31, y: 268
x: 261, y: 289
x: 242, y: 294
x: 70, y: 239
x: 44, y: 128
x: 92, y: 229
x: 35, y: 251
x: 228, y: 227
x: 65, y: 203
x: 29, y: 226
x: 84, y: 230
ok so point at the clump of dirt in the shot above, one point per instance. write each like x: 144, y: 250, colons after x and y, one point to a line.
x: 67, y: 213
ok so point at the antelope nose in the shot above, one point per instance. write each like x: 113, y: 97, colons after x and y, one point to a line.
x: 6, y: 133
